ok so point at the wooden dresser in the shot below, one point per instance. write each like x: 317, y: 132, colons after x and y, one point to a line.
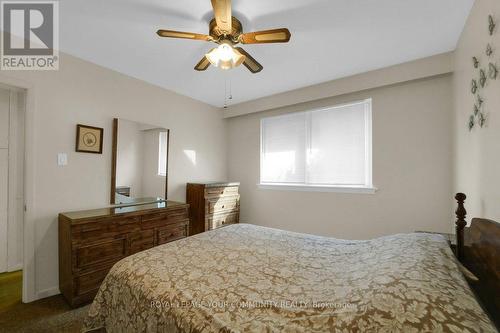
x: 92, y: 241
x: 212, y: 205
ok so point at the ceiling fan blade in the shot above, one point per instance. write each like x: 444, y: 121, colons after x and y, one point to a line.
x: 223, y: 15
x: 185, y: 35
x: 250, y: 63
x: 202, y: 65
x: 266, y: 36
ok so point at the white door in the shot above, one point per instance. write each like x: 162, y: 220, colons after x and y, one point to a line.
x: 4, y: 175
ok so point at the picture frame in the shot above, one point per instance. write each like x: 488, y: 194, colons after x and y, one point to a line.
x: 89, y: 139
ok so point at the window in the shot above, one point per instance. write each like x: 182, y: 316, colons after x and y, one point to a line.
x: 162, y: 154
x: 323, y: 148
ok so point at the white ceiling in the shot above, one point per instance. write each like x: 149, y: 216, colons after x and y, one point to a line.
x: 330, y: 39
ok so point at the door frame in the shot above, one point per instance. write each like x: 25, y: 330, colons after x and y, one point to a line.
x: 29, y: 292
x: 13, y: 174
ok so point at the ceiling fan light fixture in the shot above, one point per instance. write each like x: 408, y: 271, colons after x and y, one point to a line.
x: 225, y: 56
x: 227, y: 31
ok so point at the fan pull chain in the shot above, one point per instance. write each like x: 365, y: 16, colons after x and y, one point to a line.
x: 225, y: 93
x: 228, y: 92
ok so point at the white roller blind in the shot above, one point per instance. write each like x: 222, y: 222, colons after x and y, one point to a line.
x: 330, y: 146
x: 283, y: 154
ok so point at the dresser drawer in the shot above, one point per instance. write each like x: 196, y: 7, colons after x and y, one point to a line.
x: 151, y: 221
x: 122, y: 224
x: 111, y: 250
x: 171, y: 233
x: 220, y: 220
x: 216, y: 205
x: 103, y: 228
x: 86, y: 231
x: 89, y: 282
x: 141, y: 241
x: 179, y: 214
x: 221, y: 191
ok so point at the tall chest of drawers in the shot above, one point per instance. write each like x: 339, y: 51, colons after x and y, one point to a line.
x: 91, y: 242
x: 212, y: 205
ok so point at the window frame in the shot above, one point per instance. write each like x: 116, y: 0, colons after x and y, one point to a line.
x: 366, y: 188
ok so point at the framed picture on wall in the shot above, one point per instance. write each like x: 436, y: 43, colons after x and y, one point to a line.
x: 89, y: 139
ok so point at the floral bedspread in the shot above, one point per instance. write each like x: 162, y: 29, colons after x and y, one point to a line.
x: 246, y: 278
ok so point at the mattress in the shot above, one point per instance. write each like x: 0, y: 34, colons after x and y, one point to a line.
x: 247, y: 278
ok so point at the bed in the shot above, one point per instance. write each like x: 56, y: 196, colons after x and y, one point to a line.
x: 246, y: 278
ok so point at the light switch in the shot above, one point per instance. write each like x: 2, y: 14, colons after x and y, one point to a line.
x: 62, y: 159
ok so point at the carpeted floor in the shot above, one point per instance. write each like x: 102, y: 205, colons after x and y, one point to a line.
x: 51, y: 314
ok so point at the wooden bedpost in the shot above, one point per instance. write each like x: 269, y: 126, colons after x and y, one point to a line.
x: 460, y: 224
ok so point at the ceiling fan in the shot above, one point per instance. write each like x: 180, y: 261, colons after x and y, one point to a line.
x: 227, y: 31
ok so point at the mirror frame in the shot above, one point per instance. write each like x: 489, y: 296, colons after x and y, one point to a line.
x: 114, y: 153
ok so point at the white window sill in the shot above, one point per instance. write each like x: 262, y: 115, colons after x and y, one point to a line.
x: 318, y: 188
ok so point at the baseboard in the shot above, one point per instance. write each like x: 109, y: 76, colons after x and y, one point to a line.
x: 47, y: 292
x: 14, y: 268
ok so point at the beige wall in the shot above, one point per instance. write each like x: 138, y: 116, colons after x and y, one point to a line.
x: 81, y: 92
x: 413, y: 70
x: 412, y: 163
x: 477, y: 154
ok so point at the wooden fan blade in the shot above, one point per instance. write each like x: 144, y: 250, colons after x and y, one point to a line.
x: 223, y: 15
x: 250, y: 63
x: 202, y: 65
x: 185, y: 35
x: 266, y: 36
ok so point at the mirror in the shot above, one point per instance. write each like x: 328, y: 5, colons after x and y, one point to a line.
x: 139, y: 163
